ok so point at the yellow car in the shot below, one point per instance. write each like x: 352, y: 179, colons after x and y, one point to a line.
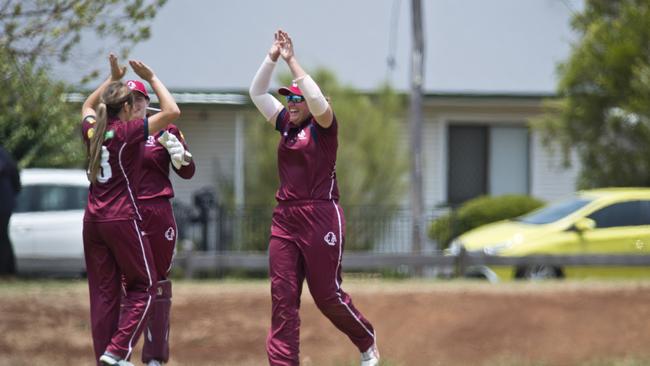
x: 599, y: 221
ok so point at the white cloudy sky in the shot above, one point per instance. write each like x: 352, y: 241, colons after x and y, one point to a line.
x: 471, y: 45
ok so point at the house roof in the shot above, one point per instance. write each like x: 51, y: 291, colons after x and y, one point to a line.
x: 240, y: 97
x: 185, y: 98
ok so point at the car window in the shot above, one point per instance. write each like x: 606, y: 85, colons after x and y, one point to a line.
x: 553, y: 212
x: 51, y: 197
x: 645, y: 212
x: 631, y: 213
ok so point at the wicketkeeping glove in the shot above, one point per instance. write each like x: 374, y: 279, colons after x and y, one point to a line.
x: 175, y: 149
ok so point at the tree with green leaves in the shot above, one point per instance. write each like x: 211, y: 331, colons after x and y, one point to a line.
x: 371, y: 166
x: 604, y: 106
x: 37, y: 124
x: 44, y: 31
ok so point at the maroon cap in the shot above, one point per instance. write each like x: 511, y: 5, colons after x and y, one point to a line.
x: 293, y: 89
x: 135, y: 85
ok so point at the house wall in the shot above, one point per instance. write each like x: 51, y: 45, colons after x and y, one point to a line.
x: 549, y: 178
x: 211, y: 135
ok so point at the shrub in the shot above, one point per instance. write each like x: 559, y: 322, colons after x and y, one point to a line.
x: 480, y: 211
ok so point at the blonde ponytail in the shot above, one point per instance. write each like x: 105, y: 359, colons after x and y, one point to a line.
x: 112, y: 102
x: 96, y: 142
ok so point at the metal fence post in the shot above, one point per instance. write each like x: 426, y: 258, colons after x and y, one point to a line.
x: 461, y: 262
x: 185, y: 263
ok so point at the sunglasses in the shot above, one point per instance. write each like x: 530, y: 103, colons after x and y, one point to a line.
x: 295, y: 98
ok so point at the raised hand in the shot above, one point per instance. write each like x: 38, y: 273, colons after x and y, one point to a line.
x: 117, y: 71
x: 274, y: 51
x: 142, y: 70
x: 286, y: 45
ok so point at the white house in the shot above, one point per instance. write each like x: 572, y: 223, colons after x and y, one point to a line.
x: 473, y: 144
x: 482, y: 144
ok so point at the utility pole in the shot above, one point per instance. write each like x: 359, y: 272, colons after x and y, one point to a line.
x: 417, y: 81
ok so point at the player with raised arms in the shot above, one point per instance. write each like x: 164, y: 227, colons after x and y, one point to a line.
x: 119, y: 262
x: 308, y: 227
x: 165, y: 148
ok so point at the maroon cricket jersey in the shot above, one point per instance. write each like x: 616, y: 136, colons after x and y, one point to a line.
x: 113, y: 196
x: 306, y: 160
x: 154, y: 180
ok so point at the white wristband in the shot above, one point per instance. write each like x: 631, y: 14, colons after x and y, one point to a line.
x: 313, y: 95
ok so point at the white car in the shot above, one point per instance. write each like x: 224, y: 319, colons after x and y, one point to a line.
x: 46, y: 227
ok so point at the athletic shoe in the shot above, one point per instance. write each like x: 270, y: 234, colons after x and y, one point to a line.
x: 154, y: 363
x: 370, y: 357
x: 108, y: 359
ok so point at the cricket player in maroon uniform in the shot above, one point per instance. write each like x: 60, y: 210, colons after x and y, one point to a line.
x: 154, y: 193
x: 116, y: 252
x: 308, y: 229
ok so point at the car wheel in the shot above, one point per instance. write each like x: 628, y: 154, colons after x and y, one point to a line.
x: 539, y: 272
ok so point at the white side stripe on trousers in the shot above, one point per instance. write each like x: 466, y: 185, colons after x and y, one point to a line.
x: 146, y: 309
x: 336, y: 279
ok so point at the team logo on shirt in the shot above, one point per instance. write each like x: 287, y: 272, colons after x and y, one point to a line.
x: 330, y: 238
x: 169, y: 234
x: 292, y: 137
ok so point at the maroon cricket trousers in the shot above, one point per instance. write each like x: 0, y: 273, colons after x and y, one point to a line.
x: 160, y: 230
x: 307, y: 240
x: 116, y: 251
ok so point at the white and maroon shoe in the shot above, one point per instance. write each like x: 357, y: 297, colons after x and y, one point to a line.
x: 108, y: 359
x: 370, y: 357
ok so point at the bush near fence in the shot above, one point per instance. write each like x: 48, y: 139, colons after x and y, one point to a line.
x: 479, y: 211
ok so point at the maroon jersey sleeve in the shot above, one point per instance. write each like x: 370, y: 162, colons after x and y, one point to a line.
x: 282, y: 120
x: 186, y: 171
x: 333, y: 129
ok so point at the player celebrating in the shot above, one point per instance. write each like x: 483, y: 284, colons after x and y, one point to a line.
x: 307, y: 230
x: 154, y: 192
x: 115, y: 251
